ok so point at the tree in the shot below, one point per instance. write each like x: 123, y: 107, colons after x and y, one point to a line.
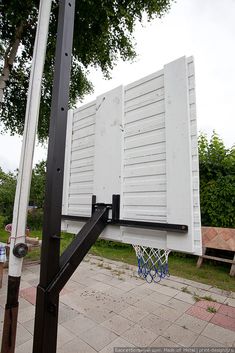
x: 7, y: 194
x: 217, y: 182
x: 37, y: 191
x: 103, y: 33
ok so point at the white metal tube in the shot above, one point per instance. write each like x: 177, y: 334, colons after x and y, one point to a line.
x: 29, y: 137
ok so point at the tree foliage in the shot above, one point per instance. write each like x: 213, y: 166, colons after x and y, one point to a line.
x: 7, y: 194
x: 217, y: 182
x: 103, y: 33
x: 37, y: 191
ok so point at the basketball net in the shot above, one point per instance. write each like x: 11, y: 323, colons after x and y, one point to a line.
x: 152, y: 263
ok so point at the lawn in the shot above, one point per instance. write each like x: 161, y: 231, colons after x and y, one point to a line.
x: 211, y: 272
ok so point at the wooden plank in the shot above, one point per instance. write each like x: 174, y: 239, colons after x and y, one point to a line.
x: 108, y: 152
x: 232, y: 270
x: 178, y: 154
x: 218, y: 259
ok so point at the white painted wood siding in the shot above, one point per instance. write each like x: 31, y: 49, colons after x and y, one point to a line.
x: 139, y: 141
x: 82, y: 150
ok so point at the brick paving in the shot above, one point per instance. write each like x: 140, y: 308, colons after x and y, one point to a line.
x: 106, y: 305
x: 219, y: 314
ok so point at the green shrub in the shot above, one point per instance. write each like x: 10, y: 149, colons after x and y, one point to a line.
x: 217, y: 182
x: 2, y: 222
x: 35, y: 219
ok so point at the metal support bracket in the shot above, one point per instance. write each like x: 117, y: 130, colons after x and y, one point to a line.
x: 115, y: 219
x: 79, y: 247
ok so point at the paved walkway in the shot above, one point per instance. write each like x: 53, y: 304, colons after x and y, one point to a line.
x: 106, y: 305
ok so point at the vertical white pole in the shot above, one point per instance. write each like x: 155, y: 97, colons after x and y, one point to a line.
x: 31, y: 122
x: 24, y: 178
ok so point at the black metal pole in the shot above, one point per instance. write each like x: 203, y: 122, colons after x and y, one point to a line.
x: 11, y: 314
x: 46, y: 318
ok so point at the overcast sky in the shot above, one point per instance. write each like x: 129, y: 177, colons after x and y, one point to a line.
x: 202, y: 28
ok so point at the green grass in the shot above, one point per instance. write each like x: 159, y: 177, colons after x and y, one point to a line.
x: 211, y: 309
x: 34, y: 255
x: 212, y: 273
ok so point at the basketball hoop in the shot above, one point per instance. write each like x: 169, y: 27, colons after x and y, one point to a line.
x: 152, y: 263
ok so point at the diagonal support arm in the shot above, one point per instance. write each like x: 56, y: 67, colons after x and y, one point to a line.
x: 79, y: 247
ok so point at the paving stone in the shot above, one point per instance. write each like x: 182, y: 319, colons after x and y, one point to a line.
x: 185, y: 297
x: 207, y: 303
x: 159, y: 298
x: 134, y: 314
x: 194, y: 284
x: 22, y: 335
x: 24, y: 284
x: 220, y: 291
x: 218, y: 298
x: 197, y: 291
x: 99, y: 315
x: 168, y: 282
x: 230, y: 301
x: 167, y: 313
x: 77, y: 303
x: 79, y: 324
x: 64, y: 336
x: 3, y: 298
x: 114, y: 291
x: 147, y: 305
x: 26, y: 347
x: 82, y: 279
x: 163, y: 342
x: 74, y: 286
x: 178, y: 305
x: 141, y: 292
x: 154, y: 324
x: 118, y: 324
x: 23, y: 303
x: 137, y: 281
x: 224, y: 321
x: 129, y: 298
x: 203, y: 341
x: 219, y: 334
x: 89, y: 305
x: 33, y: 282
x: 26, y: 314
x: 191, y: 323
x: 227, y: 310
x: 200, y: 313
x: 139, y: 336
x: 66, y: 313
x: 191, y: 283
x: 100, y: 286
x: 180, y: 335
x: 125, y: 286
x: 119, y: 342
x: 165, y: 290
x: 27, y: 275
x: 34, y: 268
x: 76, y: 346
x: 29, y: 294
x: 107, y: 279
x: 29, y: 325
x: 116, y: 304
x: 98, y: 337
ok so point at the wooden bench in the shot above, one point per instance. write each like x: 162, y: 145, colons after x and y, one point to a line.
x: 221, y: 239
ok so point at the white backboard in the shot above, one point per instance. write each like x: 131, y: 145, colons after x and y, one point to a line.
x: 139, y: 141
